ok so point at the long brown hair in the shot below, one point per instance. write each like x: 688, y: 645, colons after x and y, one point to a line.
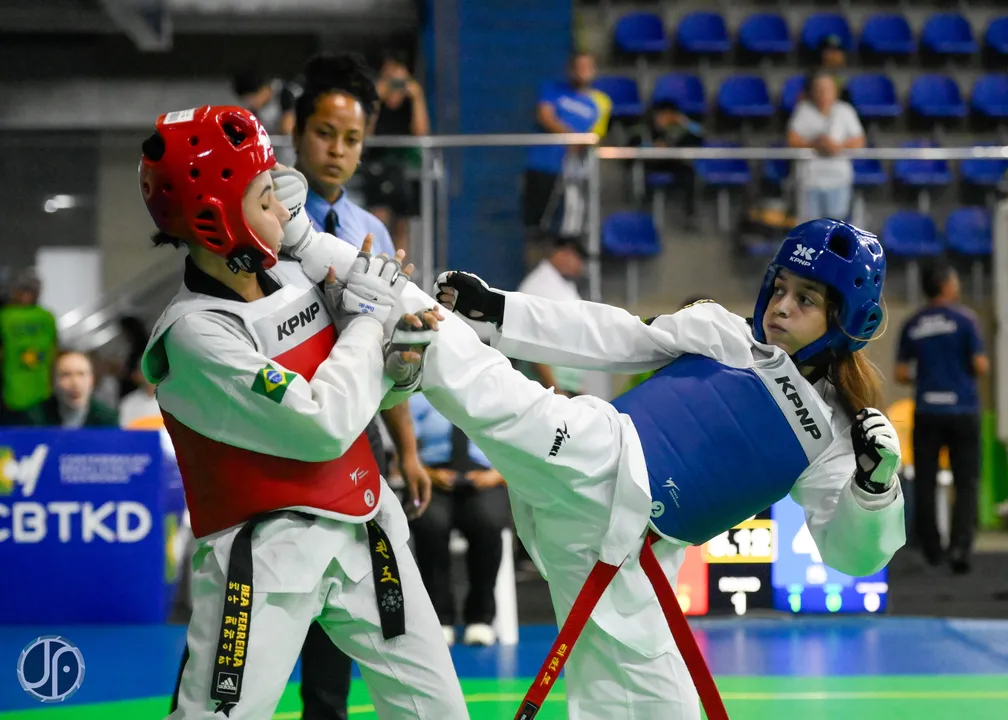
x: 856, y: 378
x: 858, y: 382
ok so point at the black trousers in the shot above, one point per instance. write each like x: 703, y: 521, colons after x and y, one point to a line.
x: 960, y: 433
x: 325, y: 677
x: 479, y: 515
x: 325, y: 669
x: 539, y: 189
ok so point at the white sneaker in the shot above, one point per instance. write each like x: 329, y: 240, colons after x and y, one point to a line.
x: 479, y: 634
x: 449, y: 634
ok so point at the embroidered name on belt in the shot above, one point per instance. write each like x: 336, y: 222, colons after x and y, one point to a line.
x: 236, y: 621
x: 232, y: 644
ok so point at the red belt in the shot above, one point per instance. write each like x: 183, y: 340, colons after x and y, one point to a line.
x: 598, y: 580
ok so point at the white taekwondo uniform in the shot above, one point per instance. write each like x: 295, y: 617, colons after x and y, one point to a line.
x: 583, y: 489
x: 266, y: 407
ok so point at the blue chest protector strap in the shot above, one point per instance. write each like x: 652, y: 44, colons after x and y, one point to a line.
x: 723, y: 443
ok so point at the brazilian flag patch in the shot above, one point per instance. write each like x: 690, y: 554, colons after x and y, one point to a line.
x: 272, y: 383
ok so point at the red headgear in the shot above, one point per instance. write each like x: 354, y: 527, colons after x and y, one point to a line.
x: 193, y: 176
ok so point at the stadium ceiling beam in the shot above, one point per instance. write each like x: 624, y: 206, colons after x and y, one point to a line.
x: 146, y: 22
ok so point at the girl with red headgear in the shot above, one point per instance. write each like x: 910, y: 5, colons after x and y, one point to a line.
x: 266, y: 382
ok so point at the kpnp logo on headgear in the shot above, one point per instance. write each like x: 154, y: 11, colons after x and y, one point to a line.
x: 22, y: 471
x: 803, y: 255
x: 51, y: 669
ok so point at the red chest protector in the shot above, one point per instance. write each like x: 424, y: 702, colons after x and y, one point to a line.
x: 226, y: 485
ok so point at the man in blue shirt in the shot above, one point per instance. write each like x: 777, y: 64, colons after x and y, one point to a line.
x: 943, y: 341
x: 471, y: 496
x: 331, y: 116
x: 344, y: 218
x: 565, y: 106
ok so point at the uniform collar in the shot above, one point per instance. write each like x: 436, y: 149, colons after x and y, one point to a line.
x: 198, y: 281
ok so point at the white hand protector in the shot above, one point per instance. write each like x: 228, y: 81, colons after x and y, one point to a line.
x: 291, y: 189
x: 406, y: 338
x: 876, y: 451
x: 373, y: 287
x: 469, y: 297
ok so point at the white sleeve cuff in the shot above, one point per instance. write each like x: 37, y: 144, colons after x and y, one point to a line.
x: 871, y: 502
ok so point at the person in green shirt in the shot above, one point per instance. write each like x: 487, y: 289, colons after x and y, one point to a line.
x: 28, y: 344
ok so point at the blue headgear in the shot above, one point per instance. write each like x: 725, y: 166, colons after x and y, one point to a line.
x: 844, y: 258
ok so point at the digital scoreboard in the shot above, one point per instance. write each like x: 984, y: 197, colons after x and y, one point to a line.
x: 770, y: 562
x: 802, y: 583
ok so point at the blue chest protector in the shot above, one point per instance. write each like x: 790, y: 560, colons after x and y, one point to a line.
x: 722, y: 443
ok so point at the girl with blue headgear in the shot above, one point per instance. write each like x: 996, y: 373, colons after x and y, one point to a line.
x: 736, y: 417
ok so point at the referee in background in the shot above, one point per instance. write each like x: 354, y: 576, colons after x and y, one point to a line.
x: 940, y: 350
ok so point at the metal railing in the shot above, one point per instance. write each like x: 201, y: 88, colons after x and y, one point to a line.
x: 741, y: 153
x: 434, y: 195
x: 434, y: 199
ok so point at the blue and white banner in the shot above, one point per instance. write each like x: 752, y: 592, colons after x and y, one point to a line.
x: 87, y: 521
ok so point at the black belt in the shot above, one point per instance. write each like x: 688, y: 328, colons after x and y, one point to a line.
x: 236, y: 623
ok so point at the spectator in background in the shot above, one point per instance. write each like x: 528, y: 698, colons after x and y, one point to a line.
x: 556, y: 278
x: 71, y: 404
x: 942, y: 342
x: 832, y: 56
x: 28, y: 345
x: 668, y: 127
x: 468, y: 495
x: 829, y: 126
x: 833, y: 61
x: 402, y: 111
x: 554, y: 201
x: 135, y: 335
x: 332, y: 115
x: 271, y: 101
x: 139, y: 409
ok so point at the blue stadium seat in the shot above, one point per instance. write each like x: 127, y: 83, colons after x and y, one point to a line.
x: 873, y: 96
x: 820, y: 26
x: 983, y: 172
x: 921, y: 173
x: 658, y: 179
x: 683, y: 89
x: 990, y: 96
x: 630, y: 234
x: 703, y: 33
x: 869, y: 172
x: 623, y: 92
x: 911, y: 235
x: 996, y: 37
x: 888, y: 35
x: 765, y: 34
x: 948, y: 34
x: 968, y: 231
x: 745, y: 96
x: 936, y: 96
x: 725, y: 172
x: 792, y: 89
x: 776, y: 171
x: 640, y: 32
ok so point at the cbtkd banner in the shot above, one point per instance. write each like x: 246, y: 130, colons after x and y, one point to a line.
x: 87, y: 523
